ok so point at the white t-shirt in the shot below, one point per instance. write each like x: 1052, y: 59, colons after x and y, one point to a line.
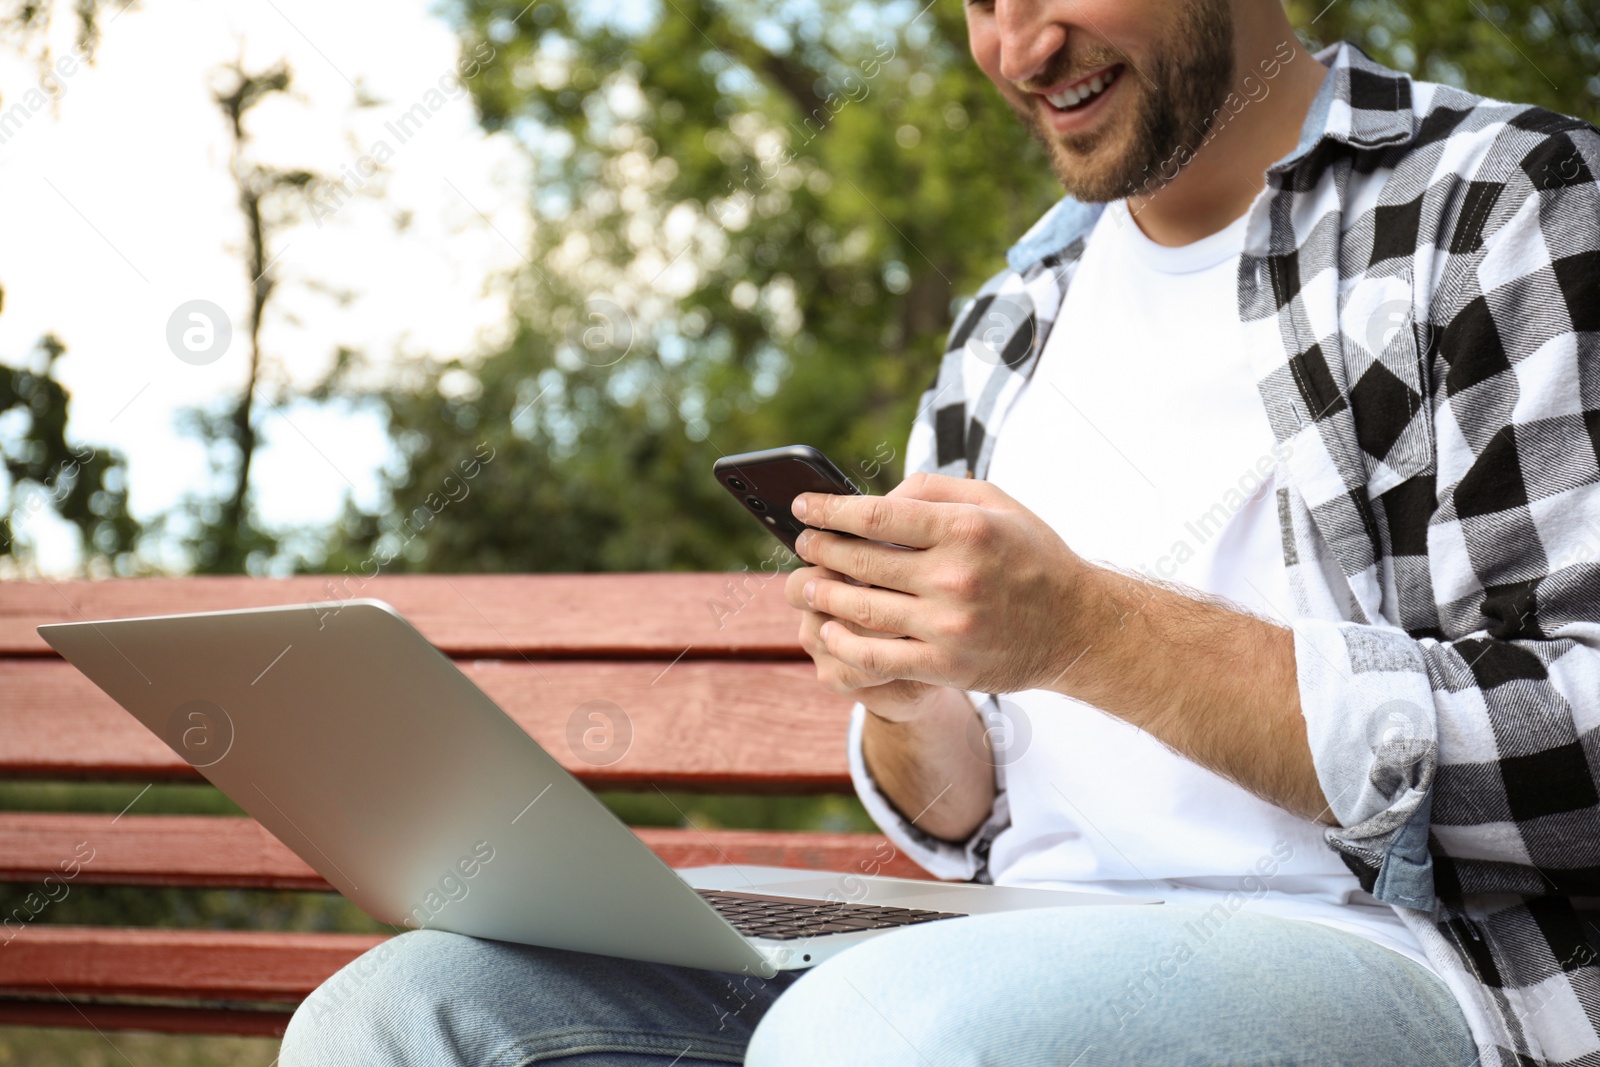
x: 1141, y: 439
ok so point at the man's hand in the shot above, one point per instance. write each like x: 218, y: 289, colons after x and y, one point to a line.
x: 985, y: 596
x: 918, y: 741
x: 982, y: 596
x: 888, y: 698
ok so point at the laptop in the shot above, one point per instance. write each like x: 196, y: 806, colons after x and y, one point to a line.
x: 366, y: 751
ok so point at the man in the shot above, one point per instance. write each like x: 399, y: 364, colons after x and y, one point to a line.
x: 1281, y: 448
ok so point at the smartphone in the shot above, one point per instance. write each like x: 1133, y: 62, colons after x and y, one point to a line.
x: 767, y: 482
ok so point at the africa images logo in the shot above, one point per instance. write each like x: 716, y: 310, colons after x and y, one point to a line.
x: 201, y: 732
x: 453, y: 886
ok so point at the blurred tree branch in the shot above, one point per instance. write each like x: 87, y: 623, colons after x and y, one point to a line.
x: 227, y: 544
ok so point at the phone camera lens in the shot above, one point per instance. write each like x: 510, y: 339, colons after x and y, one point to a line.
x: 756, y: 503
x: 737, y: 484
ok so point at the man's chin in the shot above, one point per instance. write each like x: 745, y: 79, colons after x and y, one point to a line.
x: 1095, y: 178
x: 1093, y: 169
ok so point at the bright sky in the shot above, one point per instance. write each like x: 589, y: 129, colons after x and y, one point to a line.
x: 121, y: 207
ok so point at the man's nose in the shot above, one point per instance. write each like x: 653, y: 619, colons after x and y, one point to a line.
x: 1028, y: 37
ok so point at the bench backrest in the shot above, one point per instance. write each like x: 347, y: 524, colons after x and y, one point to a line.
x: 719, y: 695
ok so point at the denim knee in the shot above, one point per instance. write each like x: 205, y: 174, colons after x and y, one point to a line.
x: 1114, y: 985
x: 374, y: 1000
x: 428, y: 997
x: 912, y: 998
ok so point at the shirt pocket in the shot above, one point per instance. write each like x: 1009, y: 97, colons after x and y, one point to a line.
x: 1382, y: 339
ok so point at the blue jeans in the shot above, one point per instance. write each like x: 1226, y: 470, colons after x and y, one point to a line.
x: 1082, y: 986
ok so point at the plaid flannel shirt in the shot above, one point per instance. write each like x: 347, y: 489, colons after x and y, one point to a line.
x: 1419, y: 290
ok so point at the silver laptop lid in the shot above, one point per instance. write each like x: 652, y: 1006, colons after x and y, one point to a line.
x: 367, y: 752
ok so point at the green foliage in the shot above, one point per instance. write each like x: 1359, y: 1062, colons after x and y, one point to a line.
x: 836, y: 813
x: 1527, y: 51
x: 738, y: 245
x: 113, y: 798
x: 86, y: 486
x: 41, y: 1047
x: 188, y: 909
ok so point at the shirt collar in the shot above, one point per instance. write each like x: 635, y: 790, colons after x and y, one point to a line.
x: 1360, y: 103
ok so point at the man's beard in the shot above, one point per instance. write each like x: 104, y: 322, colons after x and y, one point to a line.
x: 1177, y: 94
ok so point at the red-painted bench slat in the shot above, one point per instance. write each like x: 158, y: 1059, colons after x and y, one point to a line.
x: 717, y: 727
x: 501, y: 615
x: 213, y: 851
x: 845, y: 853
x: 178, y: 964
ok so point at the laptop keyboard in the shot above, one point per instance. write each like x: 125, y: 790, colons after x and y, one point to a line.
x: 786, y: 918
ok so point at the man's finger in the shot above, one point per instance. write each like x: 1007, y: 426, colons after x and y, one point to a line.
x: 889, y: 659
x: 859, y: 561
x: 941, y: 488
x: 794, y: 585
x: 847, y: 679
x: 898, y: 520
x: 881, y: 611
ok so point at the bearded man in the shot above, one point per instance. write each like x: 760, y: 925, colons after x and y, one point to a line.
x: 1243, y: 563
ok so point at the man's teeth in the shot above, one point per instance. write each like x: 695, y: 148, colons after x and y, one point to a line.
x: 1073, y: 96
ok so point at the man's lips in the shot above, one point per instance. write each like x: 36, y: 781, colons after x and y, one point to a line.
x: 1080, y: 95
x: 1077, y: 83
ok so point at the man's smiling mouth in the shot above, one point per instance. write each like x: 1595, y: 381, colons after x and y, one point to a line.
x: 1080, y: 93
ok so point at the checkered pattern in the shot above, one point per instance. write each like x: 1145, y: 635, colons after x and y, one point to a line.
x: 1419, y: 292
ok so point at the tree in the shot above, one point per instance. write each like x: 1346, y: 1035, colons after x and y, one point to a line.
x: 227, y: 536
x: 82, y: 484
x: 749, y: 232
x: 79, y: 483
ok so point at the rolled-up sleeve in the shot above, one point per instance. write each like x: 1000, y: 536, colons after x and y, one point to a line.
x: 1457, y: 767
x: 1372, y: 727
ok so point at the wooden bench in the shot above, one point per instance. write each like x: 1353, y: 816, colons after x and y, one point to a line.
x: 720, y: 697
